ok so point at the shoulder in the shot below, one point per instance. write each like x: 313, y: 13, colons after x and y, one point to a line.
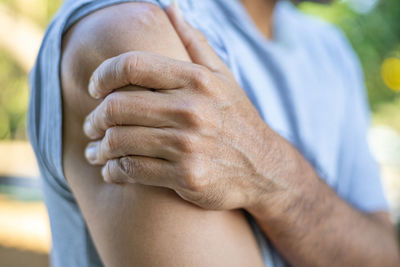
x: 109, y: 32
x: 117, y: 29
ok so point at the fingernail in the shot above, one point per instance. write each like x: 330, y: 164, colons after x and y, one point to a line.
x: 92, y: 89
x: 116, y: 178
x: 91, y: 153
x: 104, y: 173
x: 126, y: 170
x: 126, y: 165
x: 87, y: 129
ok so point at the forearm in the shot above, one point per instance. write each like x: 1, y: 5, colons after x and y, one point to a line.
x: 312, y: 226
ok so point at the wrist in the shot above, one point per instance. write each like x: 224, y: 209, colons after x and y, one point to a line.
x: 285, y: 181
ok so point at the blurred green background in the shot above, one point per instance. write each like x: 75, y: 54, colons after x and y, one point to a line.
x: 372, y: 26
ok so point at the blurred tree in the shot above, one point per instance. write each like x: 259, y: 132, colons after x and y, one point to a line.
x: 13, y: 98
x: 20, y: 37
x: 13, y: 68
x: 39, y: 11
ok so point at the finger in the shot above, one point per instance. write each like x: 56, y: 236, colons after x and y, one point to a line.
x: 142, y: 170
x: 140, y: 108
x: 132, y: 141
x: 139, y: 68
x: 195, y: 42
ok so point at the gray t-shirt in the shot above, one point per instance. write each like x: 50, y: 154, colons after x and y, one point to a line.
x: 307, y: 85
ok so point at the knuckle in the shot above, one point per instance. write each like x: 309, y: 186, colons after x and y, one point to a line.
x: 111, y: 104
x: 195, y: 120
x: 110, y: 171
x: 99, y: 76
x: 191, y: 114
x: 195, y: 183
x: 193, y: 177
x: 202, y: 78
x: 186, y: 143
x: 130, y: 64
x: 110, y: 141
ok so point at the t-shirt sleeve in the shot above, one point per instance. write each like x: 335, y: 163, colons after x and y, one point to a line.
x: 358, y: 168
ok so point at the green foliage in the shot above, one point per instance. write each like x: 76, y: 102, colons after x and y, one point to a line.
x: 13, y: 99
x: 39, y: 11
x: 13, y: 79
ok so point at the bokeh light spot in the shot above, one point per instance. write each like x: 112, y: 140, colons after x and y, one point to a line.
x: 391, y: 73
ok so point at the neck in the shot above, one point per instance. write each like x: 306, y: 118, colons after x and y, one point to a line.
x: 261, y: 12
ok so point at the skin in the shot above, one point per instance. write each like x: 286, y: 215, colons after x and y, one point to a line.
x: 195, y: 133
x: 261, y: 13
x: 137, y: 225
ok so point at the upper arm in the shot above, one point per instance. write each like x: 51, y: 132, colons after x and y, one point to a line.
x: 134, y: 224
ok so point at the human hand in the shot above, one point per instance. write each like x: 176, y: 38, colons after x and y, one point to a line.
x: 196, y: 133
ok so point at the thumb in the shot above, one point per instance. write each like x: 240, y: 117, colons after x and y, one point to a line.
x: 195, y: 42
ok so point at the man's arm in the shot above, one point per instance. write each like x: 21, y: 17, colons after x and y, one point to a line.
x: 232, y: 158
x: 137, y: 225
x: 312, y: 226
